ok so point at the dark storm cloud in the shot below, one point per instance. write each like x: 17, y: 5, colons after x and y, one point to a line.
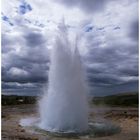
x: 110, y: 66
x: 5, y: 42
x: 34, y: 39
x: 112, y: 60
x: 129, y: 71
x: 28, y: 62
x: 112, y: 46
x: 112, y: 90
x: 85, y: 5
x: 134, y: 30
x: 33, y: 78
x: 105, y: 65
x: 36, y: 71
x: 102, y: 79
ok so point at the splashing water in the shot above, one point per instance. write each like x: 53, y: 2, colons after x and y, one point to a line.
x: 64, y: 106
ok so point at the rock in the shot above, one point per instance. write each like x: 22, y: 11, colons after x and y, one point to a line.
x: 22, y: 130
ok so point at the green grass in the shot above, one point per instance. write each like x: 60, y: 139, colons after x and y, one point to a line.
x: 16, y: 100
x: 124, y: 99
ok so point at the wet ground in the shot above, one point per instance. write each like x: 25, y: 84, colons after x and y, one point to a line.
x: 126, y: 118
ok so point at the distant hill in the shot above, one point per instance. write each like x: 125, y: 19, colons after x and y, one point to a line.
x: 121, y: 99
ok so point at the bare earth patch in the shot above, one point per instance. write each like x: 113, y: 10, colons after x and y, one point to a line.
x: 126, y: 118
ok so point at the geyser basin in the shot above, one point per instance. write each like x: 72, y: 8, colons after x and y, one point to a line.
x: 95, y: 129
x: 64, y: 107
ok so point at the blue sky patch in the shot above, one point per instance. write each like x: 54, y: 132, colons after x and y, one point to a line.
x: 89, y: 29
x: 5, y: 18
x: 24, y: 8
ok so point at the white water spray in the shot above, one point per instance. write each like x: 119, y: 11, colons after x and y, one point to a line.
x: 64, y: 106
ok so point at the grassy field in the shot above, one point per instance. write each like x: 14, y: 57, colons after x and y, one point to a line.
x: 17, y: 100
x: 124, y: 99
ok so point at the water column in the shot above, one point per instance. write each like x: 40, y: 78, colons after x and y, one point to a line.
x: 63, y: 108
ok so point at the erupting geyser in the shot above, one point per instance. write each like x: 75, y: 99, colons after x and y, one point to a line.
x: 64, y: 106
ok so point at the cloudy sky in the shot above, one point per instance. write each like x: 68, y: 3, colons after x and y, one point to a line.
x: 108, y: 42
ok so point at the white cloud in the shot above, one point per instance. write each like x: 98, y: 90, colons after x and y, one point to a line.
x: 17, y: 72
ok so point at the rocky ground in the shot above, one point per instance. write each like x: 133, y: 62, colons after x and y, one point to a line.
x: 126, y: 118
